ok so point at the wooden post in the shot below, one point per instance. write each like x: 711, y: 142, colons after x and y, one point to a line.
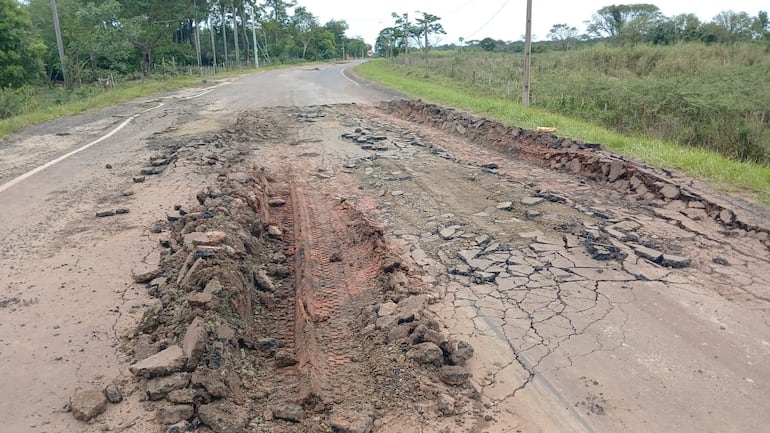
x: 527, y: 56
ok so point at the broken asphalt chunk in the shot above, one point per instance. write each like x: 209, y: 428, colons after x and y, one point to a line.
x: 165, y: 362
x: 113, y: 394
x: 672, y: 261
x: 647, y: 253
x: 532, y: 201
x: 454, y: 374
x: 87, y: 404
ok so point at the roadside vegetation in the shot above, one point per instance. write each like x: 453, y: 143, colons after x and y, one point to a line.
x: 672, y: 91
x: 32, y: 105
x: 117, y: 50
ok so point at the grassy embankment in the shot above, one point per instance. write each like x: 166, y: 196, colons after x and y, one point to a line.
x: 478, y: 91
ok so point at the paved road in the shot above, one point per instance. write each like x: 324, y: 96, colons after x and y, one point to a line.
x: 683, y: 358
x: 64, y: 297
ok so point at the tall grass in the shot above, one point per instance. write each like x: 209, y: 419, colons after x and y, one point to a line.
x: 749, y: 179
x: 711, y: 96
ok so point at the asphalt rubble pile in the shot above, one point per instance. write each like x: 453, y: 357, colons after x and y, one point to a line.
x: 200, y: 351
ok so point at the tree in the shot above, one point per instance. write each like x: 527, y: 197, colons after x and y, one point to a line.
x: 21, y: 48
x: 150, y: 24
x: 94, y: 40
x: 563, y: 35
x: 386, y: 41
x: 712, y: 32
x: 338, y: 28
x: 761, y: 26
x: 738, y: 24
x: 304, y: 23
x: 401, y: 22
x: 276, y: 28
x: 687, y: 27
x: 639, y: 28
x: 356, y: 47
x: 323, y: 44
x: 426, y: 26
x: 487, y: 44
x: 278, y: 9
x: 610, y: 21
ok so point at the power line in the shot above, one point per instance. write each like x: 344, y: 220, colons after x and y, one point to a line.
x: 490, y: 20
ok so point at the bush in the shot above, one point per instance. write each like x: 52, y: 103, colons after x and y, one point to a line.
x: 16, y: 101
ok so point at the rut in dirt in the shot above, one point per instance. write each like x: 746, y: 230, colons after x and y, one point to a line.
x: 281, y: 307
x: 338, y: 262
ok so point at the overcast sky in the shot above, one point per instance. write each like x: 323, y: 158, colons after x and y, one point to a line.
x: 498, y: 19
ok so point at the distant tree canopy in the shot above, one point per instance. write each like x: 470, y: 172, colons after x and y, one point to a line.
x: 563, y: 35
x: 611, y: 21
x: 639, y: 23
x: 21, y: 47
x: 488, y: 44
x: 108, y: 37
x: 404, y: 34
x: 643, y: 23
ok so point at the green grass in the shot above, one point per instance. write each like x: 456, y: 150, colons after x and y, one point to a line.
x: 100, y: 100
x: 709, y: 96
x: 47, y: 106
x: 748, y: 179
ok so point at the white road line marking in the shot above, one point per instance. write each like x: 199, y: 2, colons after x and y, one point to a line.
x: 198, y: 95
x: 37, y: 170
x: 348, y: 78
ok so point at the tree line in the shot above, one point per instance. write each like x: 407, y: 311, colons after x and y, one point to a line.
x: 404, y: 33
x: 101, y: 38
x: 617, y: 24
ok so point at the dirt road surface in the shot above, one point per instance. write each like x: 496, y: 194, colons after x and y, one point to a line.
x: 311, y: 253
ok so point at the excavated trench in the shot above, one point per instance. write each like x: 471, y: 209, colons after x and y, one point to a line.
x: 271, y: 299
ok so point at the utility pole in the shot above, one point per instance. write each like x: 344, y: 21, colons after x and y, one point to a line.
x: 425, y: 33
x: 213, y: 43
x: 224, y: 32
x: 59, y: 42
x: 198, y: 43
x: 254, y: 35
x: 235, y: 38
x: 197, y: 38
x: 406, y: 36
x: 527, y: 55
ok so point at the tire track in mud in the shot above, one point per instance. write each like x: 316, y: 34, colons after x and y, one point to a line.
x: 337, y: 260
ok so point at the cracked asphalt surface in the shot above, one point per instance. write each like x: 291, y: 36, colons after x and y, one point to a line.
x: 571, y: 343
x: 564, y: 341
